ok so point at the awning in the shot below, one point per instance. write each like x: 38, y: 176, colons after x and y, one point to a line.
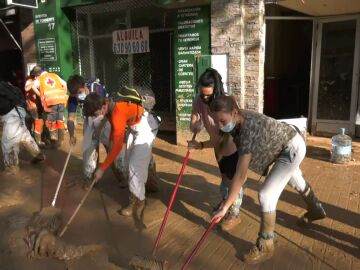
x: 321, y: 7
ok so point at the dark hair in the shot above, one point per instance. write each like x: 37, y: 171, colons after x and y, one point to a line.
x: 211, y: 78
x: 37, y: 70
x: 32, y: 73
x: 74, y: 83
x: 223, y: 104
x: 92, y: 103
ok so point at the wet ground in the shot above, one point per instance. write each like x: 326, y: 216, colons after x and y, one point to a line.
x: 332, y: 243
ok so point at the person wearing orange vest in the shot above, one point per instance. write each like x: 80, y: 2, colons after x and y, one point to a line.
x: 53, y: 97
x: 125, y: 115
x: 96, y: 131
x: 34, y: 107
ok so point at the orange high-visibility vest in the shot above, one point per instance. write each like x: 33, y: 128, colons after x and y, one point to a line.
x: 51, y: 90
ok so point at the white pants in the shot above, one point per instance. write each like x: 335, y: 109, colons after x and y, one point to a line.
x: 285, y: 170
x: 90, y: 144
x: 133, y: 160
x: 139, y: 153
x: 15, y: 133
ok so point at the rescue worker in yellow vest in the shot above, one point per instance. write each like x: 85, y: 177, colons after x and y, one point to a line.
x: 53, y: 97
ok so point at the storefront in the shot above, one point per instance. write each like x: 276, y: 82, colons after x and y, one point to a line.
x: 149, y: 43
x: 314, y: 70
x: 311, y: 53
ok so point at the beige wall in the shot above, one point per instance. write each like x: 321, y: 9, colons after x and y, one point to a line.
x: 237, y: 29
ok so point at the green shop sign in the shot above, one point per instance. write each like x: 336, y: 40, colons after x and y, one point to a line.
x: 53, y: 38
x: 192, y: 39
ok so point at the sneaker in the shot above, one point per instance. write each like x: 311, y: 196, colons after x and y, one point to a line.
x: 229, y: 222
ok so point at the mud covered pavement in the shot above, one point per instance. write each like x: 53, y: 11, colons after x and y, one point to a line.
x: 332, y: 243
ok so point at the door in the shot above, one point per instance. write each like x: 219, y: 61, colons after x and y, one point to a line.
x: 161, y: 72
x: 336, y: 75
x: 216, y: 61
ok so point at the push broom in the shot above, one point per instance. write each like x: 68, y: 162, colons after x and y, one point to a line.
x: 50, y: 217
x: 146, y: 263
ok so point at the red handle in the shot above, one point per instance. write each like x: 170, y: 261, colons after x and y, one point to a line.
x: 157, y: 241
x: 198, y: 245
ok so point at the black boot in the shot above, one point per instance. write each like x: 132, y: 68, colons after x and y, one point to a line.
x: 151, y: 185
x: 315, y: 211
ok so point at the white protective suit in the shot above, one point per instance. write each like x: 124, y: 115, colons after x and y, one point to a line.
x: 16, y: 134
x: 139, y: 153
x: 90, y: 144
x: 133, y: 160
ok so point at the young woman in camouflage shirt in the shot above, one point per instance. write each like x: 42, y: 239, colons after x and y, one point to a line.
x: 263, y: 141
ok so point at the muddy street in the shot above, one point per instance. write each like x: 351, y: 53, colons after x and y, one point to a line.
x: 332, y: 243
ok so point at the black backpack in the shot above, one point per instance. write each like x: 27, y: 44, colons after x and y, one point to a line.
x: 10, y: 97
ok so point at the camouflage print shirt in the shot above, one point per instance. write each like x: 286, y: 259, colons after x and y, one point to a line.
x: 263, y: 137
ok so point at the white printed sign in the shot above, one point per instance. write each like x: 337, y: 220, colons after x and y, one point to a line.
x: 131, y: 41
x: 23, y: 3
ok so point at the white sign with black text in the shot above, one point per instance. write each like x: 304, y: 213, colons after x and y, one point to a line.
x: 23, y: 3
x: 131, y: 41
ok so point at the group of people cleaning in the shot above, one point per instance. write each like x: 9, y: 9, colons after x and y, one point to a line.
x: 241, y: 140
x: 126, y: 118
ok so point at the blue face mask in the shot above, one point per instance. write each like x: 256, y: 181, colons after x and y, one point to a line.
x: 228, y: 127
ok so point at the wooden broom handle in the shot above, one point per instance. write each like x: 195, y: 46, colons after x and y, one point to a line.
x: 77, y: 208
x: 62, y: 176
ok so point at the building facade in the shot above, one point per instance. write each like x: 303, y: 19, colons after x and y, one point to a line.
x: 288, y: 59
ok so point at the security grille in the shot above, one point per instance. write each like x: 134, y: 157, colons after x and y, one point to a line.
x: 94, y: 26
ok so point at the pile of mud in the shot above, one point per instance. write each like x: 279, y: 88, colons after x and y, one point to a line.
x: 45, y: 245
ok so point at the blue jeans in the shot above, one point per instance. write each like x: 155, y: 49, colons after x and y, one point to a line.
x: 227, y: 166
x: 235, y: 207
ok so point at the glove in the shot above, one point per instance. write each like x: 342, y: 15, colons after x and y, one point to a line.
x: 196, y: 124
